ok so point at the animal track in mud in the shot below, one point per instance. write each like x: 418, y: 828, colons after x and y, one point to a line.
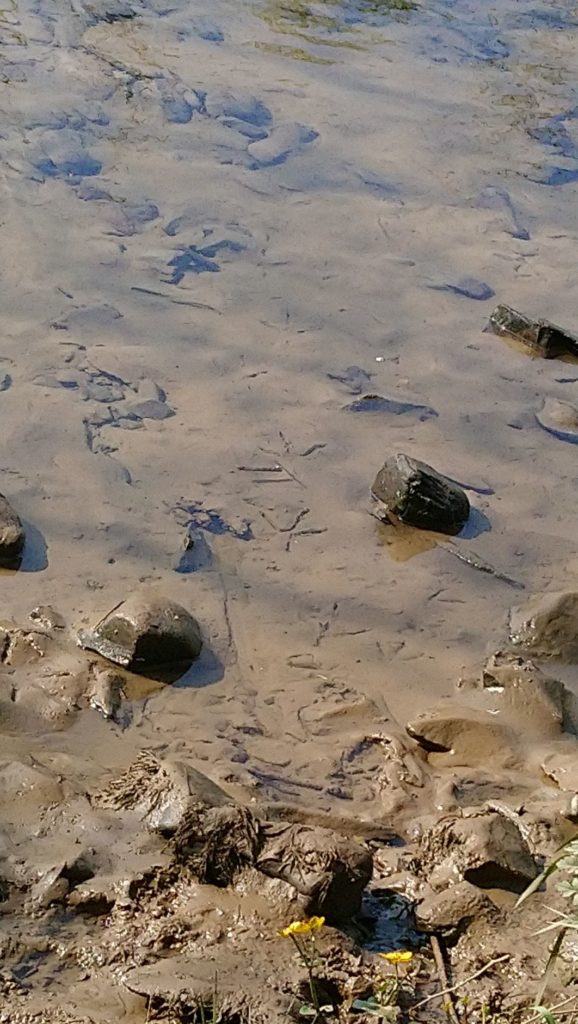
x: 120, y: 404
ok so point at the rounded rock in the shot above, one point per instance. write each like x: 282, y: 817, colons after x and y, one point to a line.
x: 147, y: 634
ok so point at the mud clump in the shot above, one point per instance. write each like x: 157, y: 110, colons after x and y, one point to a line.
x: 106, y: 692
x: 11, y: 536
x: 216, y: 838
x: 484, y: 848
x: 467, y: 735
x: 148, y: 635
x: 46, y: 617
x: 453, y: 909
x: 161, y: 792
x: 561, y: 767
x: 216, y: 843
x: 331, y: 871
x: 532, y: 701
x: 546, y: 626
x: 417, y: 495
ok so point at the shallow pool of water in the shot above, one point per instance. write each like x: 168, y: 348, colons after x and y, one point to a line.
x: 222, y: 225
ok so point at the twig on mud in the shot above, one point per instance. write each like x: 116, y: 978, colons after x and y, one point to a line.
x: 118, y: 65
x: 466, y: 556
x: 475, y: 562
x: 292, y: 475
x: 447, y: 989
x: 466, y: 981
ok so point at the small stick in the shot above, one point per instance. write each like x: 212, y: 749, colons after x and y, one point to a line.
x: 470, y: 558
x: 312, y: 448
x: 447, y: 989
x: 298, y: 518
x: 271, y: 480
x: 292, y: 475
x: 466, y: 981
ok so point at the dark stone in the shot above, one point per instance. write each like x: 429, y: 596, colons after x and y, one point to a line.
x: 417, y: 495
x: 540, y: 336
x: 11, y: 536
x: 146, y: 634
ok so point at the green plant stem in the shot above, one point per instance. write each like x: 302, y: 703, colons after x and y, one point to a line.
x: 308, y: 962
x: 551, y: 961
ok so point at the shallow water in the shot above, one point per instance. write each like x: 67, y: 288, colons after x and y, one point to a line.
x: 222, y: 224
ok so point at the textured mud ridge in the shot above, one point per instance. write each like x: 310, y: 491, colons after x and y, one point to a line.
x: 249, y: 254
x: 147, y: 890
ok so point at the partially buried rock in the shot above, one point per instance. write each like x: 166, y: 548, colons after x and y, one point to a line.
x: 547, y: 626
x: 486, y: 849
x: 11, y: 536
x: 148, y: 409
x: 393, y: 406
x: 540, y: 336
x: 468, y: 287
x: 416, y: 494
x: 146, y: 634
x: 453, y: 909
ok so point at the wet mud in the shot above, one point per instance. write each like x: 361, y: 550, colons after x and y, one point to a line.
x: 250, y: 251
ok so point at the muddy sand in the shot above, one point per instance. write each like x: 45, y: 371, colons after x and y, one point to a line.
x: 250, y: 250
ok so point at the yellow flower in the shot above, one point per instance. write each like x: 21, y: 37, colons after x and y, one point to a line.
x: 399, y: 956
x: 307, y: 927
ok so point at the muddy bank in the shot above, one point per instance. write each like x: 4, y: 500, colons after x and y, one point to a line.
x: 149, y: 886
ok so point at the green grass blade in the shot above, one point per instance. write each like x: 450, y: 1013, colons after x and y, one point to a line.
x: 546, y: 1014
x: 550, y: 965
x: 545, y: 874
